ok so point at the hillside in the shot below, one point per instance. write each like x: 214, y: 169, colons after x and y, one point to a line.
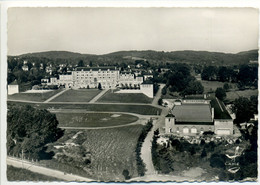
x: 187, y: 56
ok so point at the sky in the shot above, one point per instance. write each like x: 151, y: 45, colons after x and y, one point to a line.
x: 106, y: 30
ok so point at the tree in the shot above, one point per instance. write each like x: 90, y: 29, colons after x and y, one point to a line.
x: 226, y: 87
x: 90, y: 64
x: 99, y: 86
x: 209, y: 73
x: 203, y: 153
x: 244, y: 109
x: 29, y: 130
x: 125, y: 173
x: 194, y: 87
x: 164, y: 90
x: 217, y: 161
x: 160, y: 101
x: 81, y: 63
x: 220, y: 93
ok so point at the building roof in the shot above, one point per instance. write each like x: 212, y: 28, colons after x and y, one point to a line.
x: 194, y: 96
x: 170, y: 115
x: 14, y: 83
x: 147, y: 82
x: 220, y: 111
x: 95, y: 68
x: 192, y: 113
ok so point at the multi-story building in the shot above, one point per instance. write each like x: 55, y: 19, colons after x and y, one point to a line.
x: 107, y: 77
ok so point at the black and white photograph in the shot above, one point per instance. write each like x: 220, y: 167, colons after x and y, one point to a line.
x: 131, y: 94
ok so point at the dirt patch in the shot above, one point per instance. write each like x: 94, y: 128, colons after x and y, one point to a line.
x: 193, y: 172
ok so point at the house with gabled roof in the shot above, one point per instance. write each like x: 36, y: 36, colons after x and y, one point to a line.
x: 196, y: 116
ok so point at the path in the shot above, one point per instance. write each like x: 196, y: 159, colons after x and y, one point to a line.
x: 98, y: 96
x: 45, y: 171
x: 158, y: 95
x: 146, y: 153
x: 56, y: 95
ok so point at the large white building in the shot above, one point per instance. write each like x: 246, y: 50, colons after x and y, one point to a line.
x: 107, y: 77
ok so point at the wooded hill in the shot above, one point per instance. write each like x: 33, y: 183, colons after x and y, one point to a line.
x: 187, y: 56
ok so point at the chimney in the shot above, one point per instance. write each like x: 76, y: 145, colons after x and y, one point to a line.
x: 212, y: 114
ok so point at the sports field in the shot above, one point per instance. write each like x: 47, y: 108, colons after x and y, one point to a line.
x: 94, y: 119
x: 79, y: 95
x: 125, y: 98
x: 138, y: 109
x: 38, y: 97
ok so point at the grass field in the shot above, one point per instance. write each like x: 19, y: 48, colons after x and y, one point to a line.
x: 232, y: 95
x: 19, y: 174
x: 124, y: 98
x: 111, y: 151
x: 79, y: 95
x: 93, y: 119
x: 39, y: 97
x: 138, y: 109
x: 210, y: 86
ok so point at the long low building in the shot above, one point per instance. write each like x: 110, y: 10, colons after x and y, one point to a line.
x: 91, y: 77
x: 106, y: 77
x: 194, y: 117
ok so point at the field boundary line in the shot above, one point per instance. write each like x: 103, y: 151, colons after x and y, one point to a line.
x: 220, y: 105
x: 54, y: 96
x: 44, y: 170
x: 99, y: 95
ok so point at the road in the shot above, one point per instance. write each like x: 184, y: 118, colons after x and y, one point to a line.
x: 56, y: 95
x: 45, y: 171
x: 146, y: 153
x: 158, y: 95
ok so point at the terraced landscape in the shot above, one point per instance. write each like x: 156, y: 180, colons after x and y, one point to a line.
x: 79, y: 95
x: 115, y: 152
x: 38, y: 97
x: 124, y: 98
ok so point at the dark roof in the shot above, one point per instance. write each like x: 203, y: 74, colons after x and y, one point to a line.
x: 14, y: 83
x: 192, y: 113
x: 95, y: 68
x: 124, y: 72
x: 170, y: 115
x: 194, y: 123
x: 220, y: 111
x: 195, y: 96
x: 147, y: 82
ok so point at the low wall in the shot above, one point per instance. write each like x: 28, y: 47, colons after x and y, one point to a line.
x: 129, y: 91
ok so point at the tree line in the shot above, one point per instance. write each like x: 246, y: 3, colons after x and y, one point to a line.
x: 244, y: 75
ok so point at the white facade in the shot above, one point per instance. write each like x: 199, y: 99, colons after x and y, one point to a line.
x: 147, y: 89
x: 12, y: 89
x: 108, y: 78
